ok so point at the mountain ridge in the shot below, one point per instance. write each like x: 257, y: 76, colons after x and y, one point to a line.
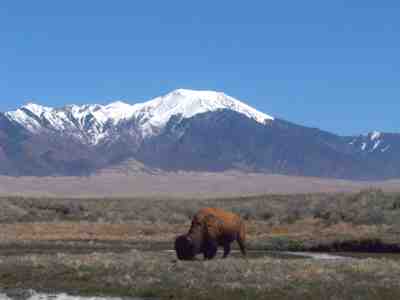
x: 185, y: 130
x: 151, y: 115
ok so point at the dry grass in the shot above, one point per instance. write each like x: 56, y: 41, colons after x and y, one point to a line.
x: 308, y: 218
x: 369, y: 207
x: 137, y: 272
x: 87, y: 232
x: 106, y: 230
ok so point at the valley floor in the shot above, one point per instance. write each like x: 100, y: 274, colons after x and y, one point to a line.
x: 122, y: 182
x: 120, y: 247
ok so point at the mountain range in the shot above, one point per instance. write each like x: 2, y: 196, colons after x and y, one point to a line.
x: 185, y: 130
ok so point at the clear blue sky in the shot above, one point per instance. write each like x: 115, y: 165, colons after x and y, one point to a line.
x: 329, y: 64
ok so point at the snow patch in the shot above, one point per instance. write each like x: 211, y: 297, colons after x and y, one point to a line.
x: 21, y: 117
x: 363, y: 146
x: 36, y: 109
x: 375, y: 135
x: 376, y: 145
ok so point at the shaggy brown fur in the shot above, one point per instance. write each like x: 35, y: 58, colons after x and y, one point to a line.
x: 211, y: 227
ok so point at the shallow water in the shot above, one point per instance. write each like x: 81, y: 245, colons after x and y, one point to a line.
x: 292, y: 255
x: 364, y: 255
x: 311, y: 255
x: 32, y: 295
x: 323, y: 256
x: 280, y: 255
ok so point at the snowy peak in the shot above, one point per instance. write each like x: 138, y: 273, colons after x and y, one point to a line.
x: 373, y: 142
x: 192, y: 102
x: 188, y: 103
x: 113, y: 112
x: 29, y: 115
x: 93, y: 123
x: 85, y: 122
x: 36, y: 109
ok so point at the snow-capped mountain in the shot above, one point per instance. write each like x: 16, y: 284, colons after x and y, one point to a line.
x: 156, y: 113
x: 184, y: 130
x: 372, y: 142
x: 89, y: 123
x: 94, y: 123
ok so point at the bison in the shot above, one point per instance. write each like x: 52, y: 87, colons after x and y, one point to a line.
x: 210, y: 228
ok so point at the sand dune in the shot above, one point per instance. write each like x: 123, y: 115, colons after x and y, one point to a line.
x: 181, y: 184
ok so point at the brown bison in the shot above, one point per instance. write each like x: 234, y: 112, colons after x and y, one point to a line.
x: 210, y: 228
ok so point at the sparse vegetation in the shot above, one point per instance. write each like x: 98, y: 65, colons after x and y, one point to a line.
x: 368, y: 207
x: 86, y: 246
x: 159, y: 275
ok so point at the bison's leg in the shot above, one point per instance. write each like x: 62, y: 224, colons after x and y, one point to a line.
x: 227, y: 248
x: 210, y: 248
x: 241, y: 237
x: 242, y: 246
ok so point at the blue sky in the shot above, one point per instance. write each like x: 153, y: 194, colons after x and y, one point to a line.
x: 328, y: 64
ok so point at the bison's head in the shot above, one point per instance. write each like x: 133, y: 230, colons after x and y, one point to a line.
x: 196, y: 241
x: 185, y: 248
